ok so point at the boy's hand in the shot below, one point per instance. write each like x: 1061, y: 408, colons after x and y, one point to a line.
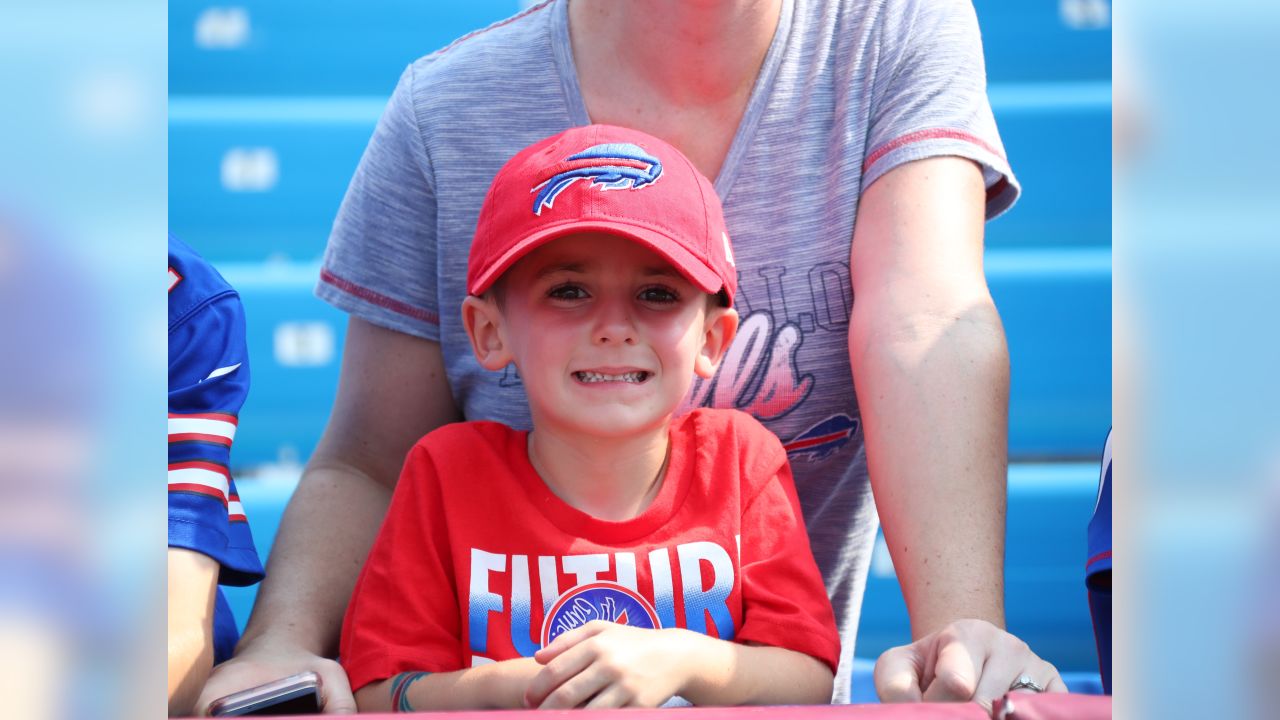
x: 607, y: 665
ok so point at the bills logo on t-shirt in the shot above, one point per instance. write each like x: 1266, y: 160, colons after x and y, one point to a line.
x: 605, y: 601
x: 823, y: 439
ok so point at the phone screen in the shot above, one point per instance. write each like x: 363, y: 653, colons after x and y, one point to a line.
x: 294, y: 695
x: 304, y: 701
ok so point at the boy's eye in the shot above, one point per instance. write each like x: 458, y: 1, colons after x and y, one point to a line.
x: 659, y: 294
x: 567, y: 291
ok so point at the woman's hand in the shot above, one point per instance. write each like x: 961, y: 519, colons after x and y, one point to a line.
x: 966, y: 660
x: 256, y: 665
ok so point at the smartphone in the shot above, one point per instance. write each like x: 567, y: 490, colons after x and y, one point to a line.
x: 294, y: 695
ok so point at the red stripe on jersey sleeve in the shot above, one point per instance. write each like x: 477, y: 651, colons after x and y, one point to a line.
x: 223, y: 417
x: 201, y: 465
x: 200, y: 437
x: 199, y: 490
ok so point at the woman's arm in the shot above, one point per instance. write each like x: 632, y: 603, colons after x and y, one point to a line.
x: 931, y: 370
x: 932, y: 374
x: 392, y: 391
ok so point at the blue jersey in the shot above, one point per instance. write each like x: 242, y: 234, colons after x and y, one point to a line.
x: 1098, y: 568
x: 208, y: 382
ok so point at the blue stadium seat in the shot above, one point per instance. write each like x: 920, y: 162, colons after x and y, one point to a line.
x: 265, y: 188
x: 1058, y: 140
x: 310, y: 47
x: 1037, y: 40
x: 1056, y: 308
x: 1045, y: 603
x: 295, y: 346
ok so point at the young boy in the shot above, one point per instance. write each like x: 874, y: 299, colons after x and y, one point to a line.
x: 616, y: 555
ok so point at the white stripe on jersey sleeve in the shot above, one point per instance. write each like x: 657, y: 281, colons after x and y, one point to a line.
x: 202, y: 426
x: 200, y: 476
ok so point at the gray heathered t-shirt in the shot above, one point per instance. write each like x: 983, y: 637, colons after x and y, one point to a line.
x: 849, y: 89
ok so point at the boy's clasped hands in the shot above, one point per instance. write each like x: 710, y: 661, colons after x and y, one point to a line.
x: 604, y: 664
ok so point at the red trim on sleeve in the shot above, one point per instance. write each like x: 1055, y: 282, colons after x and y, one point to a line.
x: 377, y: 298
x: 929, y: 134
x: 200, y: 437
x: 236, y: 517
x: 199, y: 490
x: 201, y: 465
x: 1099, y: 557
x: 221, y: 417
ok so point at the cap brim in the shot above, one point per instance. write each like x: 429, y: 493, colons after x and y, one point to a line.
x: 692, y: 268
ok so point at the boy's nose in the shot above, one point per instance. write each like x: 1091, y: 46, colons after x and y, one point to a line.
x: 613, y: 325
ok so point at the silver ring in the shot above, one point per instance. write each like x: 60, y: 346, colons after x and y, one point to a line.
x: 1024, y: 682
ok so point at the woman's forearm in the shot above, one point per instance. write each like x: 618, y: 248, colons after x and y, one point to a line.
x: 936, y: 452
x: 322, y: 543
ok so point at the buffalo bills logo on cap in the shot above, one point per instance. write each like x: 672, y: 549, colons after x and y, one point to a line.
x: 606, y: 601
x: 610, y: 166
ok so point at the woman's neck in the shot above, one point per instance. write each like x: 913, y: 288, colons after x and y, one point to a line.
x: 691, y: 52
x: 608, y: 478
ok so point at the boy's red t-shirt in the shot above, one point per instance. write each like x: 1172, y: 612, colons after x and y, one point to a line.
x: 475, y: 549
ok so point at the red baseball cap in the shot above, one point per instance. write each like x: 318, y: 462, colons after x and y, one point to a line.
x: 608, y: 179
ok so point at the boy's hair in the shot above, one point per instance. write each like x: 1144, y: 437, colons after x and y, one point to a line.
x: 634, y: 186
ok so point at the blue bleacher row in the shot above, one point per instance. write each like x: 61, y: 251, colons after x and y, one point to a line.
x: 253, y: 179
x: 1049, y: 505
x: 305, y: 47
x: 1055, y: 305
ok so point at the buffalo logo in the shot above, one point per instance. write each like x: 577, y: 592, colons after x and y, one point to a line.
x: 822, y: 439
x: 611, y: 166
x: 606, y: 601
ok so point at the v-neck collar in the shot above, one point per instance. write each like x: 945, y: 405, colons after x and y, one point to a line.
x: 562, y: 50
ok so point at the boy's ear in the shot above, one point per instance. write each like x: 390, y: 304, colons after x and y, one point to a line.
x: 483, y: 321
x: 721, y: 327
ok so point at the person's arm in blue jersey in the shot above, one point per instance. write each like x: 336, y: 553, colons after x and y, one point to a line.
x: 208, y: 533
x: 931, y: 369
x: 392, y: 390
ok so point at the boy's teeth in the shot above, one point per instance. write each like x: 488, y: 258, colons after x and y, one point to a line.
x: 594, y: 377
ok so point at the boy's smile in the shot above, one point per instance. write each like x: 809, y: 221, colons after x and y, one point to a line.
x: 606, y: 334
